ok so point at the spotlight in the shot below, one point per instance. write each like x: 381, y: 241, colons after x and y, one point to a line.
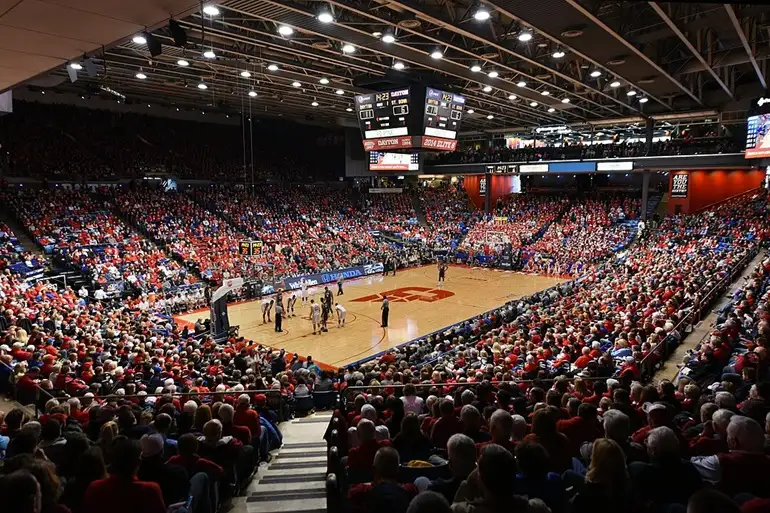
x: 339, y: 91
x: 140, y: 76
x: 525, y: 36
x: 565, y: 100
x: 481, y: 14
x: 325, y: 17
x: 545, y: 93
x: 398, y: 65
x: 272, y: 67
x: 487, y: 89
x: 471, y: 111
x: 296, y: 84
x: 493, y: 74
x: 615, y: 84
x: 209, y: 54
x: 558, y: 54
x: 183, y: 62
x: 323, y: 81
x: 202, y: 85
x: 140, y: 39
x: 521, y: 83
x: 314, y: 103
x: 631, y: 93
x: 76, y: 66
x: 475, y: 68
x: 376, y: 33
x: 596, y: 73
x: 643, y: 99
x: 211, y: 10
x: 533, y: 104
x: 285, y: 30
x: 348, y: 48
x: 512, y: 97
x: 349, y: 109
x: 551, y: 109
x: 388, y: 38
x: 252, y: 93
x: 437, y: 54
x: 490, y: 116
x: 245, y: 74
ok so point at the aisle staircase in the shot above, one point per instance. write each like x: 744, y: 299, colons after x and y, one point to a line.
x: 417, y: 205
x: 21, y: 234
x: 295, y: 479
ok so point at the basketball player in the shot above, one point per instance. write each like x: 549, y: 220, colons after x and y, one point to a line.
x: 325, y: 311
x: 342, y: 314
x: 290, y: 305
x: 267, y: 305
x: 442, y: 267
x: 303, y: 285
x: 315, y: 317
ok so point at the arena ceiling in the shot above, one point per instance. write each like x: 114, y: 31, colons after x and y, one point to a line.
x: 525, y: 63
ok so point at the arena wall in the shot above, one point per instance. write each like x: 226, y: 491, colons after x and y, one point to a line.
x: 707, y: 187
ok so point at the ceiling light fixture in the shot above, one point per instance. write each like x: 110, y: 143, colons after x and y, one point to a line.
x: 437, y: 54
x: 487, y: 89
x: 323, y: 81
x: 551, y: 109
x: 615, y: 84
x: 398, y: 65
x: 533, y: 104
x: 183, y: 62
x: 325, y: 17
x: 252, y: 93
x: 565, y: 100
x: 521, y: 83
x: 272, y: 67
x: 140, y: 39
x: 376, y: 33
x: 545, y: 93
x: 481, y: 14
x: 209, y: 54
x: 339, y: 91
x: 475, y: 68
x: 471, y: 111
x: 314, y: 103
x: 348, y: 48
x: 245, y: 74
x: 349, y: 109
x: 285, y: 30
x: 388, y: 38
x: 512, y: 96
x: 631, y: 93
x: 202, y: 85
x: 525, y: 36
x: 76, y: 66
x: 211, y: 10
x: 493, y: 74
x: 490, y: 116
x: 140, y: 76
x: 596, y: 73
x: 558, y: 54
x: 643, y: 99
x: 296, y: 84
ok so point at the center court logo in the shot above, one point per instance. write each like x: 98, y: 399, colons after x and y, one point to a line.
x: 407, y: 294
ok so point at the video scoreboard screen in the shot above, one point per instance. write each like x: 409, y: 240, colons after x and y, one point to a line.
x: 381, y: 161
x: 384, y: 114
x: 758, y: 129
x: 443, y: 112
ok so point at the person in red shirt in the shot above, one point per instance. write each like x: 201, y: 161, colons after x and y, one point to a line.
x: 122, y: 492
x: 584, y: 359
x: 240, y: 433
x: 446, y: 426
x: 245, y: 416
x: 361, y: 458
x: 582, y: 428
x: 188, y: 458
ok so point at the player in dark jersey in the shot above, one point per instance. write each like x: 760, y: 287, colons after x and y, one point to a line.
x: 442, y: 267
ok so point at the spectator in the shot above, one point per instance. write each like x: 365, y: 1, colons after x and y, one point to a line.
x: 412, y: 402
x: 533, y: 479
x: 410, y: 442
x: 462, y: 461
x: 556, y: 444
x: 606, y: 488
x: 493, y: 491
x: 446, y: 426
x: 21, y: 492
x: 384, y: 494
x: 361, y: 458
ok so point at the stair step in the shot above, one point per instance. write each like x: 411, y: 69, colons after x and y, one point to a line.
x: 306, y: 454
x: 303, y: 445
x: 294, y: 476
x: 286, y: 495
x: 287, y: 506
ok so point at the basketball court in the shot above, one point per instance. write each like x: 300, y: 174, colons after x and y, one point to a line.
x: 418, y: 306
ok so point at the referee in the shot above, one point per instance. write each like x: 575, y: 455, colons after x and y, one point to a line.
x: 385, y: 311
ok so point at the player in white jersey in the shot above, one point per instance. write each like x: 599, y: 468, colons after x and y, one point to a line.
x: 290, y: 305
x: 315, y: 316
x: 342, y: 314
x: 267, y: 305
x: 303, y: 285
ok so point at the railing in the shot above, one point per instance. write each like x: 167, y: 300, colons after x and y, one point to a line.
x: 663, y: 350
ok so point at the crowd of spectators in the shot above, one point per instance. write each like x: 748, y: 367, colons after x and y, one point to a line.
x: 586, y: 234
x: 579, y: 151
x: 13, y: 255
x: 449, y: 214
